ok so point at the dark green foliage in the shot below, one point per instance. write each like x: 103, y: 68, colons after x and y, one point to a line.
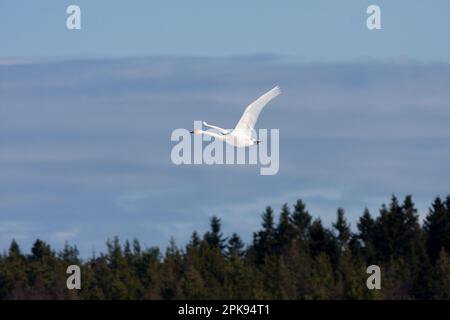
x: 437, y: 228
x: 301, y: 219
x: 264, y: 241
x: 322, y: 240
x: 295, y: 258
x: 235, y: 246
x: 215, y: 237
x: 343, y: 229
x: 285, y: 232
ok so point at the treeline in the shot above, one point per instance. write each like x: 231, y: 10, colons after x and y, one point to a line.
x: 293, y: 256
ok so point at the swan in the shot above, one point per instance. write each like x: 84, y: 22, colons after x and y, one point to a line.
x: 241, y: 135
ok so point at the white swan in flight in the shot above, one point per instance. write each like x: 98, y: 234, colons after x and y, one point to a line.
x: 241, y: 136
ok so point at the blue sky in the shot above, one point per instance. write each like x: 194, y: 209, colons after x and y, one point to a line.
x: 86, y: 116
x: 303, y: 30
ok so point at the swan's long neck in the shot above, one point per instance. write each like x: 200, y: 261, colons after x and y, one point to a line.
x: 212, y: 134
x: 221, y: 130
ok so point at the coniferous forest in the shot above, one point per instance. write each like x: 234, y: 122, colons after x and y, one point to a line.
x: 292, y: 256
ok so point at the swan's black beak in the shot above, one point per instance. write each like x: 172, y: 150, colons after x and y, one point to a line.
x: 192, y: 131
x: 258, y: 141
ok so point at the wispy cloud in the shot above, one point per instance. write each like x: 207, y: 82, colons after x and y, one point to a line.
x: 12, y: 62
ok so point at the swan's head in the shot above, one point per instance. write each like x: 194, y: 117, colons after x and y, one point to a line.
x: 195, y: 131
x: 255, y: 141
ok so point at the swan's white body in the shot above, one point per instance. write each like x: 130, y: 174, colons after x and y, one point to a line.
x: 241, y: 135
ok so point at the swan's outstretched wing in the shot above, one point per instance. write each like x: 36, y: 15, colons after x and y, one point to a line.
x: 222, y: 131
x: 248, y: 119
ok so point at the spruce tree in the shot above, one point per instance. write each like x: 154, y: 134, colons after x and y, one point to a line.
x: 285, y: 232
x: 437, y: 228
x: 322, y: 278
x: 264, y: 241
x: 366, y: 231
x: 301, y: 219
x: 442, y: 276
x: 235, y: 246
x: 366, y: 227
x: 342, y: 228
x: 215, y: 237
x: 322, y: 241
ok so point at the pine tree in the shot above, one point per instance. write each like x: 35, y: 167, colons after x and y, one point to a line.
x: 171, y: 272
x: 298, y: 262
x: 264, y: 241
x: 397, y: 232
x: 45, y: 276
x: 352, y: 277
x: 322, y: 241
x: 69, y: 254
x: 342, y: 228
x: 397, y: 279
x: 213, y: 270
x: 137, y: 252
x: 115, y: 286
x: 437, y: 228
x: 149, y: 269
x: 215, y: 237
x: 387, y: 229
x: 322, y: 278
x: 301, y: 219
x: 366, y: 227
x: 235, y: 246
x: 13, y: 272
x: 442, y: 276
x: 274, y: 276
x: 242, y: 278
x: 40, y: 251
x: 195, y: 240
x: 412, y: 237
x: 285, y: 232
x: 193, y: 285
